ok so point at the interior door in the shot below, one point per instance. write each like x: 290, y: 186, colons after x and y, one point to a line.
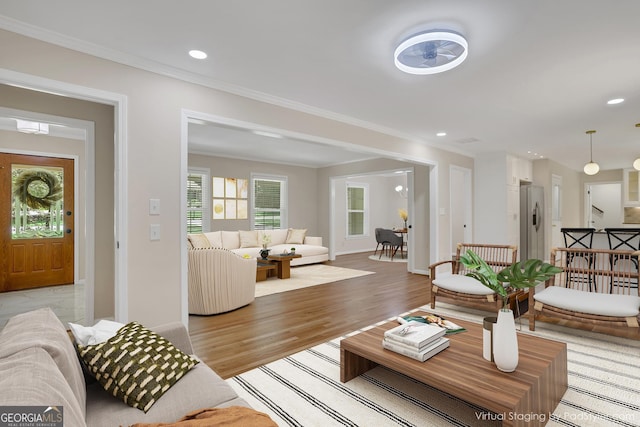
x: 36, y: 221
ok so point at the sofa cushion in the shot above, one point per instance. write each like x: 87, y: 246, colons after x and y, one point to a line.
x: 201, y: 388
x: 278, y: 236
x: 31, y: 377
x: 198, y: 241
x: 590, y: 302
x: 461, y: 283
x: 42, y: 328
x: 296, y: 236
x: 136, y: 365
x: 230, y: 239
x: 215, y: 238
x: 248, y: 239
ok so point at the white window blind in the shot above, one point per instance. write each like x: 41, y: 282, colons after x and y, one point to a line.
x: 197, y: 201
x: 269, y: 202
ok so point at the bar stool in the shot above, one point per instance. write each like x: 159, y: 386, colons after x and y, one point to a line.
x: 623, y: 239
x: 579, y: 238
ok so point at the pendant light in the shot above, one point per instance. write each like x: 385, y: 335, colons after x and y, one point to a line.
x: 591, y: 168
x: 636, y: 162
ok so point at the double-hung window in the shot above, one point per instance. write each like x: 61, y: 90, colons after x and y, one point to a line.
x: 357, y: 210
x: 269, y: 202
x: 198, y: 218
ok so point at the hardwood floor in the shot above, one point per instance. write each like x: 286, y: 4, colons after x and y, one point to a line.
x: 278, y: 325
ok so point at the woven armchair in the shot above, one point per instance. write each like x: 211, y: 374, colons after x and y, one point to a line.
x: 219, y: 281
x: 456, y: 285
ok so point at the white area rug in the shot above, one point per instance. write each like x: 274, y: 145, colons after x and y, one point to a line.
x: 385, y: 258
x: 305, y: 276
x: 305, y: 389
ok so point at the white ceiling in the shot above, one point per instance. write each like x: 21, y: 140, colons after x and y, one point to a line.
x: 538, y: 74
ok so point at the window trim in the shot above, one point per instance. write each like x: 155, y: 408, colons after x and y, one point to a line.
x: 284, y: 197
x: 366, y: 210
x: 206, y: 199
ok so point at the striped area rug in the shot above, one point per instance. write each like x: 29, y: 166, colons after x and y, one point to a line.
x: 305, y: 389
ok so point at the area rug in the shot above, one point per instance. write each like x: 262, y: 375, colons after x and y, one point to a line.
x: 385, y: 258
x: 305, y: 276
x: 305, y: 389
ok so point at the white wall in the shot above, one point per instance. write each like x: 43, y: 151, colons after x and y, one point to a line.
x: 155, y: 103
x: 384, y: 203
x: 608, y: 198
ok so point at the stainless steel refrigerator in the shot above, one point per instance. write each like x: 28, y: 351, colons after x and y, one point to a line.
x: 531, y: 222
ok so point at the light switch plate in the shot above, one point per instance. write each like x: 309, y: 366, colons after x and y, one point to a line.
x: 154, y: 232
x: 154, y: 206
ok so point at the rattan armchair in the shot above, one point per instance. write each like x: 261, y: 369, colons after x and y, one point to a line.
x: 456, y: 285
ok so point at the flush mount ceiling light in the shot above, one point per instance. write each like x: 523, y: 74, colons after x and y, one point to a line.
x: 26, y: 126
x: 431, y: 52
x: 591, y: 168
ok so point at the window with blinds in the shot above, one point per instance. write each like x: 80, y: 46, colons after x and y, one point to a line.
x: 357, y: 215
x: 269, y: 202
x: 197, y: 202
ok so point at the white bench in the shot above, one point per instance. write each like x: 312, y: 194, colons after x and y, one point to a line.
x: 591, y: 293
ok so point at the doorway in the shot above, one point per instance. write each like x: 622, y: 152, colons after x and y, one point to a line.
x: 603, y: 207
x: 37, y: 221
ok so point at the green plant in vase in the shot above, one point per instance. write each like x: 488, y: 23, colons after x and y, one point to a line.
x: 520, y: 275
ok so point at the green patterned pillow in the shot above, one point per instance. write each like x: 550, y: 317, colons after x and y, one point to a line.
x: 136, y: 365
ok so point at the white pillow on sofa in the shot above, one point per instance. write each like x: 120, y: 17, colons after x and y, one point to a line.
x: 296, y: 236
x: 249, y: 239
x: 96, y: 334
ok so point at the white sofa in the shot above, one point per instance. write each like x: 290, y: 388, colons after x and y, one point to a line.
x: 250, y: 243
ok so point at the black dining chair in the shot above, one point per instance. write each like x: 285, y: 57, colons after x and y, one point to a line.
x: 579, y: 238
x: 623, y: 239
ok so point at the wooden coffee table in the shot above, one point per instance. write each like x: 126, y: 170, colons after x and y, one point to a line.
x: 264, y: 269
x: 283, y: 263
x: 531, y: 393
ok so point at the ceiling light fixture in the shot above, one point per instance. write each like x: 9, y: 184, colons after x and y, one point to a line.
x: 441, y: 134
x: 197, y: 54
x: 615, y: 101
x: 636, y: 162
x: 431, y: 52
x: 26, y: 126
x: 591, y: 168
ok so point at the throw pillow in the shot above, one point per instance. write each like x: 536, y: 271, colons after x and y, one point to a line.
x: 96, y: 334
x: 136, y: 365
x: 296, y: 236
x: 249, y: 239
x: 199, y: 241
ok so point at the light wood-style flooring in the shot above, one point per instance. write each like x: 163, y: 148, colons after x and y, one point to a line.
x: 275, y: 326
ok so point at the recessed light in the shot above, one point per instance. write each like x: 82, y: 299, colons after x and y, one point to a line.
x: 441, y: 134
x: 615, y: 101
x: 197, y: 54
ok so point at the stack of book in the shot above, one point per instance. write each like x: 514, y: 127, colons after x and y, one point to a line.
x: 417, y: 340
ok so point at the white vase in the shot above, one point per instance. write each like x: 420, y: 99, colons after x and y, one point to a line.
x: 505, y: 342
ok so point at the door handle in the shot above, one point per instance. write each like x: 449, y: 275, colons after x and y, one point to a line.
x: 68, y: 230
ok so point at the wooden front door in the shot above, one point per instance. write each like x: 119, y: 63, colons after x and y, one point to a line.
x: 36, y: 221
